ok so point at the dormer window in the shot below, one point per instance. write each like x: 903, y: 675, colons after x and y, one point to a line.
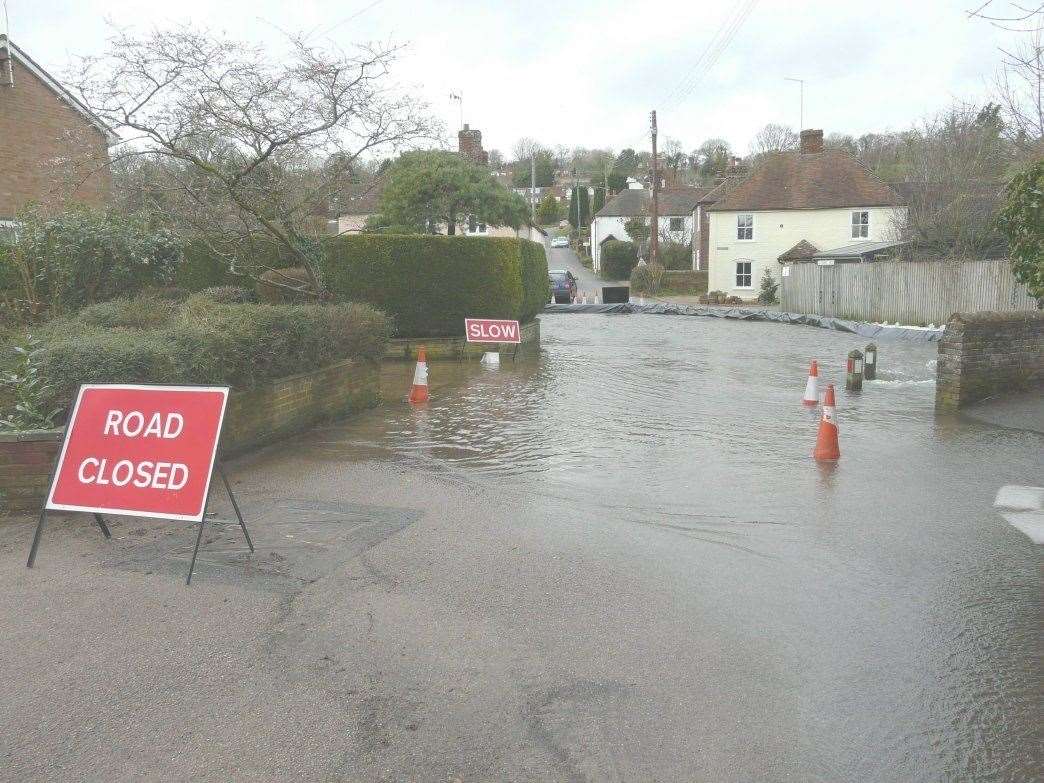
x: 861, y: 225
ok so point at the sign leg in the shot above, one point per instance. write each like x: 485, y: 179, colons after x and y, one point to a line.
x: 101, y: 523
x: 199, y: 537
x: 36, y: 539
x: 235, y: 506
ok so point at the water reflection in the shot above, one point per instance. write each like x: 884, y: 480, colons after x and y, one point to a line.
x: 900, y: 617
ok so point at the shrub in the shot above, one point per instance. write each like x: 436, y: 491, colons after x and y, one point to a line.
x: 211, y: 262
x: 687, y: 282
x: 81, y: 256
x: 1022, y: 220
x: 139, y: 313
x: 769, y: 286
x: 674, y: 255
x: 646, y: 278
x: 26, y: 390
x: 534, y: 279
x: 272, y: 286
x: 201, y: 341
x: 618, y: 259
x: 228, y: 294
x: 733, y: 300
x: 429, y: 284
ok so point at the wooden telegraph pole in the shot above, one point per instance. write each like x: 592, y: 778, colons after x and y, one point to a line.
x: 654, y: 228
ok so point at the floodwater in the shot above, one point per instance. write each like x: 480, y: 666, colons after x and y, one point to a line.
x: 873, y: 620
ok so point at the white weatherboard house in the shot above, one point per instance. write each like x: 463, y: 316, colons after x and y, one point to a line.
x: 677, y: 211
x: 815, y: 198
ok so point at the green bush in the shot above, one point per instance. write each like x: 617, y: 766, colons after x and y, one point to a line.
x: 139, y: 313
x: 272, y: 286
x: 675, y: 256
x: 618, y: 259
x: 686, y: 282
x: 430, y: 284
x: 200, y: 341
x: 82, y: 256
x: 534, y: 279
x: 646, y: 278
x: 212, y: 262
x: 228, y: 294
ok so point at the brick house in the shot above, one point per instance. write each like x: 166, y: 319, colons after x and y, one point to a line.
x: 52, y: 148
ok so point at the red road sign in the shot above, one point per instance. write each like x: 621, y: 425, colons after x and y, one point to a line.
x: 491, y: 330
x: 139, y: 450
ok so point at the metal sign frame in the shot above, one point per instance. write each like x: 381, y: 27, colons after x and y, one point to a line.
x: 97, y: 512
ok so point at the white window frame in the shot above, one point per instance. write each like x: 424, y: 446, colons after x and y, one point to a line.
x: 853, y: 225
x: 740, y: 228
x: 749, y: 274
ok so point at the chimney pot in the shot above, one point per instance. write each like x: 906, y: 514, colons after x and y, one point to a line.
x: 812, y: 140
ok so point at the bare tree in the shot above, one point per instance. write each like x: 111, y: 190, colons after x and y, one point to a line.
x: 956, y: 166
x: 774, y: 138
x: 525, y: 148
x: 244, y: 143
x: 1020, y: 87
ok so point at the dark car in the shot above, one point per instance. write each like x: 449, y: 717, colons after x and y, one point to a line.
x: 563, y: 286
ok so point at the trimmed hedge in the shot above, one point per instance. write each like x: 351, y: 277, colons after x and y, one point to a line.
x: 618, y: 259
x: 201, y: 267
x: 534, y: 279
x: 427, y: 284
x: 201, y: 341
x: 430, y: 284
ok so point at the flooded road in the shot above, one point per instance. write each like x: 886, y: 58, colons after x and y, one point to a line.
x: 869, y: 621
x: 615, y: 561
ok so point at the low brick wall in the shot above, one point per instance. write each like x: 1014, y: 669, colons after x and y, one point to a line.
x: 988, y: 354
x: 457, y: 348
x: 254, y: 418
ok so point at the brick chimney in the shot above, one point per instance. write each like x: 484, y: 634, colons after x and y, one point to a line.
x: 811, y: 141
x: 469, y: 145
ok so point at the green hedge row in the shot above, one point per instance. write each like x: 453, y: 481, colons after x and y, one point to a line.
x: 430, y: 284
x: 618, y: 259
x: 209, y: 264
x: 427, y: 284
x: 202, y: 340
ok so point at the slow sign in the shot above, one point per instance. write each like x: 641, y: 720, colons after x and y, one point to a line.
x: 491, y: 330
x: 144, y: 451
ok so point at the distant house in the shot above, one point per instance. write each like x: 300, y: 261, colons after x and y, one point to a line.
x: 475, y: 228
x: 51, y: 146
x: 677, y: 217
x: 355, y: 208
x: 791, y: 205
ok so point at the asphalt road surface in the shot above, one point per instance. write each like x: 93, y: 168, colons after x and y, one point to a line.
x: 617, y: 562
x: 586, y: 280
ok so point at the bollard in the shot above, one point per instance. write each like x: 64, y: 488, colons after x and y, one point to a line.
x: 870, y: 362
x: 854, y: 371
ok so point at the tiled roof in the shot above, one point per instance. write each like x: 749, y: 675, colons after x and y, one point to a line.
x: 634, y: 202
x: 810, y: 180
x: 800, y: 251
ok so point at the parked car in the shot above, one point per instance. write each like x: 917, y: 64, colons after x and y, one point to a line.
x: 560, y: 242
x: 563, y: 286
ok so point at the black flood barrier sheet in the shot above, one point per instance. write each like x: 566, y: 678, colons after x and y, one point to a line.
x: 911, y: 333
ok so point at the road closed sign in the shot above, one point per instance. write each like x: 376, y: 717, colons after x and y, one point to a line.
x: 490, y: 330
x: 139, y: 450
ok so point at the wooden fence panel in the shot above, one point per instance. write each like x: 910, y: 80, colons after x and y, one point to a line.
x: 910, y: 292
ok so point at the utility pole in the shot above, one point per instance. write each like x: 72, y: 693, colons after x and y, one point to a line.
x: 801, y: 82
x: 576, y: 192
x: 532, y: 189
x: 654, y: 233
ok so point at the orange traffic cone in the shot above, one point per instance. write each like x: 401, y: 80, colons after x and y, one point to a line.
x: 827, y: 449
x: 812, y: 386
x: 419, y: 392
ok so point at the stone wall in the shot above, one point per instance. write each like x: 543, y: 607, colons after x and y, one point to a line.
x: 989, y: 354
x: 253, y: 418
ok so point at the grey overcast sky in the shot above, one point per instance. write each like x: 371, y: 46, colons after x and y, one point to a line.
x: 587, y: 72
